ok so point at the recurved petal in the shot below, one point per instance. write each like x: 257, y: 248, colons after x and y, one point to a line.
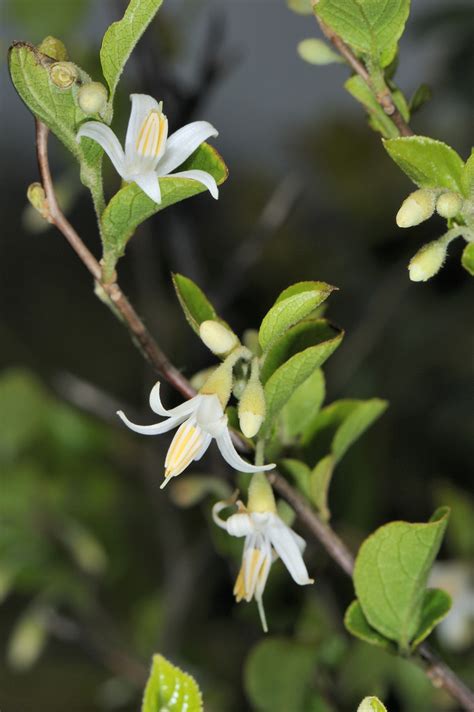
x: 201, y: 177
x: 239, y: 525
x: 105, y: 137
x: 150, y: 185
x: 157, y: 406
x: 230, y: 455
x: 285, y: 545
x: 142, y: 104
x: 155, y: 429
x: 182, y: 143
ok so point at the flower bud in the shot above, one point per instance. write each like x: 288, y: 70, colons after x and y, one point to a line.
x: 427, y: 261
x: 37, y: 198
x: 54, y: 48
x: 260, y: 497
x: 217, y: 337
x: 92, y: 98
x: 63, y: 74
x: 219, y: 383
x: 252, y: 405
x: 448, y: 205
x: 418, y: 207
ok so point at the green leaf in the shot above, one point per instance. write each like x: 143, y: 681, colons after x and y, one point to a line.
x: 129, y: 207
x: 122, y: 36
x: 357, y: 624
x: 302, y: 7
x: 390, y: 575
x: 429, y: 163
x: 303, y: 404
x: 28, y: 639
x: 468, y: 177
x: 361, y: 418
x: 194, y: 303
x: 294, y: 304
x: 467, y: 259
x: 58, y: 109
x: 315, y: 51
x: 170, y: 688
x: 371, y: 704
x: 436, y: 606
x: 288, y: 377
x: 278, y: 675
x: 309, y: 332
x: 421, y: 96
x: 300, y: 472
x: 320, y: 479
x: 380, y: 122
x: 371, y: 27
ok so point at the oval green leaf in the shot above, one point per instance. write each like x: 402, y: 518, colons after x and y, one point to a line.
x: 170, y: 688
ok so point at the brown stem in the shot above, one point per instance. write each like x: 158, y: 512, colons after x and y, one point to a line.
x: 384, y: 98
x: 437, y: 671
x: 139, y: 332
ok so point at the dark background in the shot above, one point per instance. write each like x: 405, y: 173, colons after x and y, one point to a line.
x: 311, y: 195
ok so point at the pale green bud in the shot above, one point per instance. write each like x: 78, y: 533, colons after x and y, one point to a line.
x: 448, y: 205
x: 54, y: 48
x: 37, y: 198
x: 260, y: 497
x: 219, y: 383
x: 92, y: 98
x: 371, y: 704
x: 252, y: 405
x: 427, y: 262
x: 63, y: 74
x: 217, y: 337
x: 418, y: 207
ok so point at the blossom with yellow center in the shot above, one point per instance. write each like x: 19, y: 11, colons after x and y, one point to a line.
x: 267, y: 537
x: 149, y: 152
x: 200, y: 420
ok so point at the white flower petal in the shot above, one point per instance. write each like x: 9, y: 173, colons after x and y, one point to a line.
x: 230, y: 454
x: 186, y: 444
x: 205, y: 444
x: 287, y: 549
x: 105, y: 137
x: 150, y: 185
x: 201, y: 177
x: 142, y: 104
x: 239, y: 525
x: 155, y: 429
x: 184, y: 409
x: 182, y: 143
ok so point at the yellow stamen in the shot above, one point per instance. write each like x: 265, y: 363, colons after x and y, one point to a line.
x: 183, y: 449
x: 152, y: 135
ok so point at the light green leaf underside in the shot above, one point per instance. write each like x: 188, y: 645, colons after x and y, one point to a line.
x: 436, y: 605
x: 357, y: 624
x: 288, y: 377
x: 169, y: 688
x: 390, y: 575
x: 429, y: 163
x: 57, y: 108
x: 467, y: 258
x: 293, y: 304
x: 371, y: 27
x: 468, y: 177
x: 194, y: 303
x: 382, y: 123
x: 130, y: 206
x: 315, y: 51
x: 122, y: 36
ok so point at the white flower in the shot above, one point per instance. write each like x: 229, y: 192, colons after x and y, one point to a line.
x: 149, y: 152
x: 266, y: 538
x: 200, y: 419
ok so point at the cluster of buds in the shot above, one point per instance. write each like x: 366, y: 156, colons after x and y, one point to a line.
x: 418, y: 207
x: 92, y: 97
x: 223, y: 342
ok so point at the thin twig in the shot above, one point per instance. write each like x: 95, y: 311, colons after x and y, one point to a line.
x: 439, y: 673
x: 139, y: 332
x: 384, y: 98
